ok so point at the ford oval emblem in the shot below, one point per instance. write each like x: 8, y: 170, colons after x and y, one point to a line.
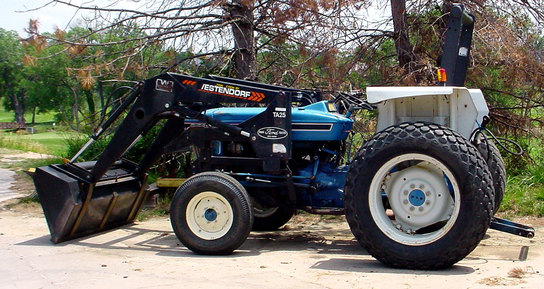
x: 272, y: 133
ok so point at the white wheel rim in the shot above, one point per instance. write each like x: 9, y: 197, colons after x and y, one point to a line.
x: 419, y: 196
x: 209, y: 215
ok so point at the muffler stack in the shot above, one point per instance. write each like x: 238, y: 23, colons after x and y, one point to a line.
x: 75, y: 206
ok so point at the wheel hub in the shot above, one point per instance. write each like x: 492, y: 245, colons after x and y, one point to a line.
x: 416, y: 198
x: 210, y: 215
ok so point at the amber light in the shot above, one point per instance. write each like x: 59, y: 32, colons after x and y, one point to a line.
x: 442, y: 77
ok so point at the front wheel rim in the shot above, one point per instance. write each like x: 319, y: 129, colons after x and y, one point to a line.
x: 209, y: 215
x: 423, y: 195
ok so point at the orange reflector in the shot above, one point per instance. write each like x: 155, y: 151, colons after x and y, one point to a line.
x: 442, y: 77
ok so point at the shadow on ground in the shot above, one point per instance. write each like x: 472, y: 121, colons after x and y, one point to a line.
x: 339, y: 242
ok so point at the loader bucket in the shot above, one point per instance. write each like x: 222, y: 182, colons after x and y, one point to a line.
x: 74, y: 206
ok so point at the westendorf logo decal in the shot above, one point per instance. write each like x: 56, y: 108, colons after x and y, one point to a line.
x: 226, y: 90
x: 232, y: 91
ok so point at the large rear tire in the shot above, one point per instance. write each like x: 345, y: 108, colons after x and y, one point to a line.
x: 211, y: 214
x: 495, y: 163
x: 418, y: 196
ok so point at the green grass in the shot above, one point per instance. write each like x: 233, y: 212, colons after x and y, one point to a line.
x: 523, y: 197
x: 50, y: 142
x: 48, y: 139
x: 6, y: 116
x: 9, y: 116
x: 162, y: 208
x: 524, y: 194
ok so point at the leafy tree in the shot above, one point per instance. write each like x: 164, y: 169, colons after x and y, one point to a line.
x: 11, y: 57
x: 44, y: 81
x: 74, y: 80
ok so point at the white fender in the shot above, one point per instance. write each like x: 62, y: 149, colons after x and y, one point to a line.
x: 459, y: 108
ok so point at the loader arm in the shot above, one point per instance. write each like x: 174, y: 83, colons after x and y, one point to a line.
x: 83, y: 198
x: 179, y: 97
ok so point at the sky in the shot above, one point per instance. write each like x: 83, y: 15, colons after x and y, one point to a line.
x: 49, y: 17
x: 15, y: 14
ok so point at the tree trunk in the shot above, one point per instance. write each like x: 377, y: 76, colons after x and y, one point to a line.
x: 33, y: 115
x: 18, y: 107
x: 243, y: 32
x: 75, y: 110
x: 405, y: 52
x: 75, y: 107
x: 90, y: 104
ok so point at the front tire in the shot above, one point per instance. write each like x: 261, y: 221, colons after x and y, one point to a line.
x: 418, y: 196
x: 211, y: 214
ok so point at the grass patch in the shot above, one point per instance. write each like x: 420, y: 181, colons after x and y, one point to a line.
x: 9, y: 116
x: 524, y: 197
x: 48, y: 139
x: 29, y: 200
x: 162, y: 208
x: 6, y: 116
x: 50, y: 142
x: 524, y: 194
x: 12, y: 141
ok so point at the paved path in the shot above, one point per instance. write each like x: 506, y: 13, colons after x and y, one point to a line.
x: 6, y: 181
x: 310, y: 254
x: 7, y: 176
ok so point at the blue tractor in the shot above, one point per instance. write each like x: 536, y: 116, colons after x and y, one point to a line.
x: 420, y: 193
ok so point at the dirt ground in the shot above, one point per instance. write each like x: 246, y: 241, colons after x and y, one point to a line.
x: 309, y: 252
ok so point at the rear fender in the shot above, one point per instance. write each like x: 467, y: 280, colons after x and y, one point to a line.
x: 458, y: 108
